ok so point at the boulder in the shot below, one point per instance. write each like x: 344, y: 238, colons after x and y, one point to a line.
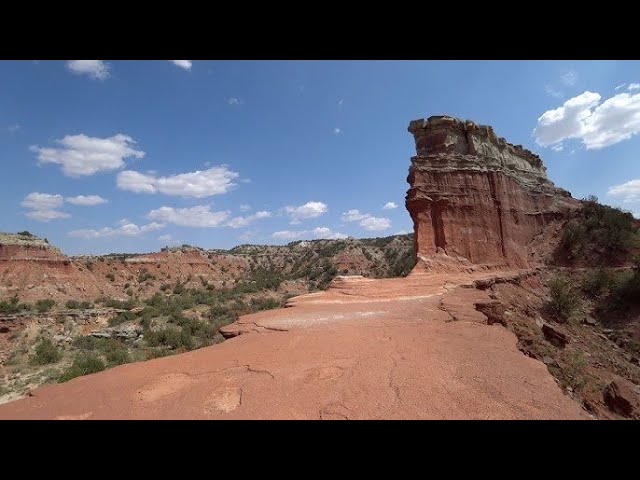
x: 621, y: 398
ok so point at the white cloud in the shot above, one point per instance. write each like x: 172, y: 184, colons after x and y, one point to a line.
x: 558, y: 147
x: 569, y: 79
x: 596, y: 124
x: 165, y: 238
x: 337, y: 131
x: 628, y: 192
x: 325, y: 232
x: 288, y: 234
x: 245, y: 208
x: 318, y: 232
x: 46, y: 215
x: 633, y: 86
x: 234, y: 101
x: 16, y: 127
x: 198, y: 216
x: 375, y: 224
x: 353, y: 216
x: 390, y: 206
x: 238, y: 222
x: 126, y: 229
x: 96, y: 69
x: 198, y: 184
x: 552, y: 91
x: 86, y: 200
x: 42, y: 201
x: 81, y: 155
x: 186, y: 64
x: 366, y: 220
x: 303, y: 212
x: 622, y: 85
x: 401, y: 232
x: 44, y: 206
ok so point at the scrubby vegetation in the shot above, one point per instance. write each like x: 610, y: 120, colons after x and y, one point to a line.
x: 83, y: 364
x: 46, y: 352
x: 179, y: 317
x: 598, y: 236
x: 43, y: 306
x: 564, y: 301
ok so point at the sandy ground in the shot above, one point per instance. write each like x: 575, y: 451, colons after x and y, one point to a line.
x: 412, y: 348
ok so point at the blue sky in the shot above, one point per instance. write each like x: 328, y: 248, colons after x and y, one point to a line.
x: 129, y: 156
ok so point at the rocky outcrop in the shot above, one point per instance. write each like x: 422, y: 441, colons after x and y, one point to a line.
x: 474, y: 198
x: 15, y: 247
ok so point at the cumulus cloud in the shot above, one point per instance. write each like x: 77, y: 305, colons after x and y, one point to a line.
x: 597, y: 124
x: 81, y: 155
x: 306, y: 211
x: 125, y: 229
x: 86, y: 200
x: 375, y: 224
x: 390, y: 206
x: 366, y: 220
x: 238, y: 222
x: 245, y: 208
x: 318, y: 232
x: 633, y: 86
x: 46, y: 215
x: 42, y: 201
x: 628, y: 192
x: 96, y: 69
x: 353, y: 216
x: 198, y: 184
x: 44, y: 206
x: 186, y: 64
x: 234, y: 101
x: 198, y: 216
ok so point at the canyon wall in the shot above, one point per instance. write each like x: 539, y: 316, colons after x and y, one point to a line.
x: 476, y: 199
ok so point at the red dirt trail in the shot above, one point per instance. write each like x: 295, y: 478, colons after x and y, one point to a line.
x: 411, y: 348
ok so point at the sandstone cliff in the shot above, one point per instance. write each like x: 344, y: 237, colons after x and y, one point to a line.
x: 476, y: 199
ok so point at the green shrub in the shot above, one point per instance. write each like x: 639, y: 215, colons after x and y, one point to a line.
x: 598, y: 235
x: 76, y: 305
x: 43, y: 306
x: 13, y: 306
x: 46, y: 353
x: 121, y: 318
x: 83, y: 364
x: 25, y: 233
x: 564, y: 301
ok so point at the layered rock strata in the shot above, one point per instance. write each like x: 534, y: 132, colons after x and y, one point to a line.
x: 475, y: 198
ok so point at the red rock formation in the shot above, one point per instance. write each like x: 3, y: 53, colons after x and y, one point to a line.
x: 475, y: 197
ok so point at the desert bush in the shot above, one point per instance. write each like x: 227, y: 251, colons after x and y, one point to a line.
x: 43, y: 306
x: 110, y: 276
x: 46, y: 352
x: 121, y: 318
x: 13, y: 305
x: 564, y: 300
x: 83, y: 364
x: 76, y: 305
x: 598, y: 235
